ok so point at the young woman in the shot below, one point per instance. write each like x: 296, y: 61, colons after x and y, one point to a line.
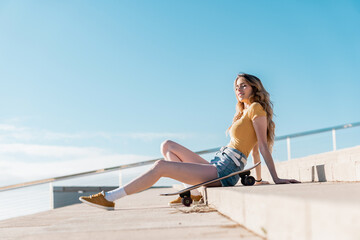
x: 252, y: 128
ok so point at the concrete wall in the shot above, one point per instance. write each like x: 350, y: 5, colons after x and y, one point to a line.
x: 340, y: 165
x: 64, y: 196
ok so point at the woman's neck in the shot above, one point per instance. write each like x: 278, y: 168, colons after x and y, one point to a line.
x: 247, y: 103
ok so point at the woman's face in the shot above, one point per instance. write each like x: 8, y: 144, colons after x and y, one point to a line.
x: 243, y: 90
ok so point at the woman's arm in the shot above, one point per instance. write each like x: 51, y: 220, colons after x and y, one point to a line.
x: 260, y: 126
x: 256, y: 158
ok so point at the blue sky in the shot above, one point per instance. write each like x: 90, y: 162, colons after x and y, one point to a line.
x: 100, y: 83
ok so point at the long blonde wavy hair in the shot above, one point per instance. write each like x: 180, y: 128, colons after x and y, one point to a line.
x: 261, y: 96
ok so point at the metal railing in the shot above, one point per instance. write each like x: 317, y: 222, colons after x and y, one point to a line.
x: 322, y: 130
x: 103, y: 170
x: 138, y: 164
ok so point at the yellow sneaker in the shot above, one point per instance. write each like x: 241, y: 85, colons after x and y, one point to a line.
x: 196, y: 198
x: 98, y: 200
x: 177, y: 201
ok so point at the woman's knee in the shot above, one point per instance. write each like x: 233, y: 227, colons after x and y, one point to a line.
x: 159, y: 166
x: 166, y: 146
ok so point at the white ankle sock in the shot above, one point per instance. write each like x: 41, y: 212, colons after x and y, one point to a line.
x: 194, y: 192
x: 115, y: 194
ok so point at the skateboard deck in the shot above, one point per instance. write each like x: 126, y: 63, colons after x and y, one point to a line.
x: 244, y: 174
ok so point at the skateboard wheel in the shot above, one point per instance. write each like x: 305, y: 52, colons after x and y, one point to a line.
x: 186, y: 201
x: 249, y: 180
x: 243, y: 181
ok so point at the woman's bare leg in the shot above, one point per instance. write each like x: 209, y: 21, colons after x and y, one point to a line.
x: 175, y: 152
x: 190, y: 173
x: 186, y: 172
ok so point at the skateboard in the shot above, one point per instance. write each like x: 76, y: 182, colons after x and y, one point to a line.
x: 246, y: 180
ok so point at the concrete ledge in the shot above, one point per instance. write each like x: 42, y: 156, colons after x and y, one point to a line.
x: 67, y: 195
x: 341, y: 165
x: 296, y: 211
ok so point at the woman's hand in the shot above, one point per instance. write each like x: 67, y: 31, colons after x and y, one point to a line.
x: 262, y: 183
x: 285, y: 181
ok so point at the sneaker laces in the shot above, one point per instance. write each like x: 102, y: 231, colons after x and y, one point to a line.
x: 97, y: 195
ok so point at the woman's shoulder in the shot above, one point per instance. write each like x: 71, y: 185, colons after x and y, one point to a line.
x: 256, y: 105
x: 255, y: 109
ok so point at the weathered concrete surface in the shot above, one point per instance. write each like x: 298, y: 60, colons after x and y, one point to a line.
x: 141, y: 216
x: 340, y: 165
x: 293, y: 211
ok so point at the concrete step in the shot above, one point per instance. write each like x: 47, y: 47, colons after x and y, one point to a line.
x: 306, y: 211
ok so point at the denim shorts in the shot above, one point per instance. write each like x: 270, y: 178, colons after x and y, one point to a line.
x: 225, y: 165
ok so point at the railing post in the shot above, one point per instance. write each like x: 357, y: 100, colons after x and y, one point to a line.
x: 51, y: 192
x: 334, y: 139
x: 288, y: 148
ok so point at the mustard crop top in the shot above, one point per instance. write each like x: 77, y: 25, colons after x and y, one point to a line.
x: 242, y: 132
